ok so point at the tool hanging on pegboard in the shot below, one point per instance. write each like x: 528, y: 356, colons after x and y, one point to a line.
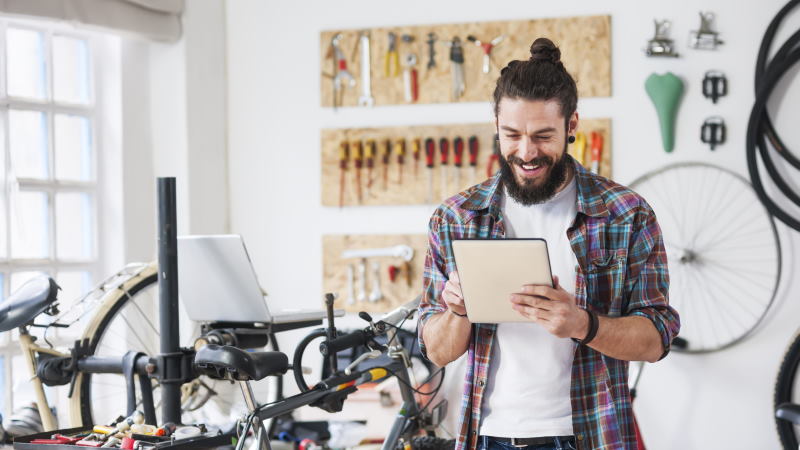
x: 410, y: 78
x: 597, y: 151
x: 444, y: 153
x: 432, y: 39
x: 579, y: 148
x: 400, y: 149
x: 493, y: 157
x: 358, y: 161
x: 387, y: 153
x: 369, y: 160
x: 344, y: 156
x: 391, y: 61
x: 430, y: 154
x: 457, y: 68
x: 473, y: 158
x: 366, y: 98
x: 487, y: 48
x: 340, y: 72
x: 458, y: 159
x: 416, y: 145
x: 713, y: 132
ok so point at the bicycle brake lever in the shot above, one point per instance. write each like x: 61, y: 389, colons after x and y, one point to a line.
x: 364, y: 356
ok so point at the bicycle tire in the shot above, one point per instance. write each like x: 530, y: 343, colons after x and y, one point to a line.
x: 787, y: 389
x: 432, y: 443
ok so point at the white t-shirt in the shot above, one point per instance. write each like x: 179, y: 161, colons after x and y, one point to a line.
x: 527, y: 392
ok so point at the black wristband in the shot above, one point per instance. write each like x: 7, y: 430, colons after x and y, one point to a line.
x: 594, y: 324
x: 459, y: 315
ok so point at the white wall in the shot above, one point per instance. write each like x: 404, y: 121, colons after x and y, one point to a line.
x: 720, y: 400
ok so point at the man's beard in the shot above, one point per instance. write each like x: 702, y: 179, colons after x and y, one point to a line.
x: 528, y: 193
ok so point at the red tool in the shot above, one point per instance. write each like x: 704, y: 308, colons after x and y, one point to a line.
x: 393, y: 271
x: 430, y: 153
x: 369, y: 159
x: 458, y: 160
x: 58, y: 439
x: 597, y: 151
x: 444, y: 151
x: 493, y: 157
x: 410, y: 80
x: 344, y: 155
x: 358, y: 161
x: 387, y: 152
x: 487, y: 49
x: 400, y: 149
x: 416, y: 145
x: 473, y: 157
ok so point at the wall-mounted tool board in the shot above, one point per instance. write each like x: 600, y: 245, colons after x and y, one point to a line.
x: 414, y: 188
x: 585, y: 44
x: 335, y: 270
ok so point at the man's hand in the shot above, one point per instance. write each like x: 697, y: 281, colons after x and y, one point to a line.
x: 452, y: 294
x: 553, y: 308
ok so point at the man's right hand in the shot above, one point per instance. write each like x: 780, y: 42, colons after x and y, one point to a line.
x: 452, y: 294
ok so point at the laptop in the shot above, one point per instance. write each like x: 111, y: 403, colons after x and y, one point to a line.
x: 217, y: 283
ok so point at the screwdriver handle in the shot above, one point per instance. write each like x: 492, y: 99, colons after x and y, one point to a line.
x: 358, y: 154
x: 400, y: 149
x: 387, y: 150
x: 430, y: 152
x: 458, y: 151
x: 344, y: 154
x: 416, y: 144
x: 473, y: 150
x: 369, y: 152
x: 444, y: 149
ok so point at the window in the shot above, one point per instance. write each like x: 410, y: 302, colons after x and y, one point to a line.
x: 49, y: 178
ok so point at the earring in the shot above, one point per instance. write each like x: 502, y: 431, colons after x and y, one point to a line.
x: 571, y: 139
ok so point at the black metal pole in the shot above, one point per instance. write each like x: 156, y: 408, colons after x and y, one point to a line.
x: 168, y: 302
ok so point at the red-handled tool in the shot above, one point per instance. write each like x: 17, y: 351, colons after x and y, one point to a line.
x: 416, y: 145
x: 430, y: 154
x: 444, y: 152
x: 358, y: 162
x: 487, y: 49
x: 597, y: 151
x: 400, y: 149
x: 493, y: 157
x: 472, y: 143
x: 410, y: 79
x: 387, y: 152
x: 344, y: 156
x: 458, y: 160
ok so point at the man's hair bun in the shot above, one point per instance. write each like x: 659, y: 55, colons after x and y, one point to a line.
x: 543, y: 50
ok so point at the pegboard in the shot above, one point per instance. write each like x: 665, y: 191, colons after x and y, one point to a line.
x: 413, y: 188
x: 394, y: 293
x: 585, y: 44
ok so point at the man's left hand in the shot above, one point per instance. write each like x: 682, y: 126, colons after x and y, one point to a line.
x: 553, y: 308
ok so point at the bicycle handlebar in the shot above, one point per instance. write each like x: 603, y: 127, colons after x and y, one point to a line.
x: 348, y: 341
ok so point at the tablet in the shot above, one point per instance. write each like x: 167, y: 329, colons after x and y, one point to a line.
x: 492, y: 269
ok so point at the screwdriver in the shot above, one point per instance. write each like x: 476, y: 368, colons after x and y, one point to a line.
x: 387, y: 152
x: 493, y: 157
x: 473, y: 158
x: 400, y: 149
x: 458, y: 154
x: 597, y: 151
x: 579, y: 149
x: 344, y: 155
x: 430, y: 153
x: 444, y: 149
x: 415, y: 149
x: 358, y: 162
x: 369, y: 157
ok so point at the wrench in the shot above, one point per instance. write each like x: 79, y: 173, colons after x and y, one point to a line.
x: 431, y: 50
x: 376, y: 293
x: 362, y: 281
x: 342, y: 74
x: 457, y: 67
x: 366, y: 80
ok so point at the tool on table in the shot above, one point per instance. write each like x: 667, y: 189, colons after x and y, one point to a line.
x: 579, y: 148
x: 400, y: 149
x: 341, y: 74
x: 457, y: 67
x: 376, y: 294
x: 665, y: 91
x: 344, y: 156
x: 416, y: 146
x: 705, y: 38
x: 487, y: 49
x: 387, y: 153
x: 494, y: 157
x: 351, y: 289
x: 715, y: 85
x: 366, y: 98
x: 713, y: 131
x: 358, y: 161
x: 362, y: 280
x: 444, y: 155
x: 458, y: 160
x: 431, y: 50
x: 391, y: 61
x: 473, y: 158
x: 410, y: 78
x: 597, y: 151
x: 369, y: 159
x: 661, y: 44
x: 430, y: 154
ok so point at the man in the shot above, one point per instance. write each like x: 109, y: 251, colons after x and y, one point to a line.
x: 528, y: 383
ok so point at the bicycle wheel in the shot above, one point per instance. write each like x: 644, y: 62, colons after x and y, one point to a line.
x: 787, y: 389
x: 723, y: 251
x: 128, y: 320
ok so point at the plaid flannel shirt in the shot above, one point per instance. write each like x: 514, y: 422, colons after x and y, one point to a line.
x: 621, y: 271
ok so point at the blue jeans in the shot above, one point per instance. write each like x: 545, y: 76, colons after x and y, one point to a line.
x: 487, y: 443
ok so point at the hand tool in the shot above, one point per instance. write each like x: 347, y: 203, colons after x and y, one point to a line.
x: 580, y: 148
x: 416, y: 145
x: 387, y: 152
x: 341, y: 74
x: 458, y: 159
x: 57, y: 439
x: 431, y: 50
x: 487, y: 49
x: 473, y: 158
x: 366, y: 74
x: 362, y: 281
x: 493, y: 157
x: 457, y: 67
x: 430, y: 152
x: 400, y: 149
x: 344, y: 156
x: 391, y: 61
x: 715, y: 85
x: 665, y: 91
x: 410, y: 79
x: 597, y: 151
x: 407, y: 270
x: 705, y: 38
x: 405, y: 252
x: 376, y: 294
x: 358, y: 161
x: 444, y: 154
x: 713, y: 131
x: 393, y: 271
x: 369, y: 158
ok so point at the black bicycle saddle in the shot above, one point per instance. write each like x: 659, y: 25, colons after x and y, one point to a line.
x: 226, y: 362
x: 27, y: 302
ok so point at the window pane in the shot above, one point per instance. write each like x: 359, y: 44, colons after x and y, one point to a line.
x: 2, y: 383
x: 20, y: 278
x: 73, y: 286
x: 70, y: 70
x: 27, y: 76
x: 3, y: 220
x: 28, y: 139
x: 73, y: 147
x: 30, y: 225
x: 2, y: 286
x: 74, y: 230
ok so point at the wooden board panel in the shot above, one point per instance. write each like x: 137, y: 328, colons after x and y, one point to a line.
x: 585, y: 44
x: 414, y: 188
x: 335, y: 271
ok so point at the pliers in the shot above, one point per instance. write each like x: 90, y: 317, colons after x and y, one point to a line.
x: 391, y: 62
